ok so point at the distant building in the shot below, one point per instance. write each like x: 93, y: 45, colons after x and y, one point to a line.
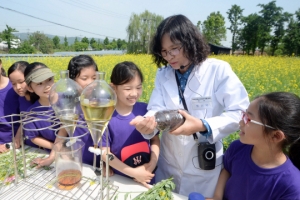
x: 15, y: 43
x: 217, y: 49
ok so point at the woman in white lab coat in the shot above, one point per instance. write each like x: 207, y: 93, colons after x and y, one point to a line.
x: 214, y: 97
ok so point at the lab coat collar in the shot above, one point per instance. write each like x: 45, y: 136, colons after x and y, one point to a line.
x: 194, y: 82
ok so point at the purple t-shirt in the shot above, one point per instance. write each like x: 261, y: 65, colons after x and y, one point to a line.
x: 9, y: 104
x: 248, y: 181
x: 41, y: 123
x: 87, y: 156
x: 24, y: 104
x: 125, y: 142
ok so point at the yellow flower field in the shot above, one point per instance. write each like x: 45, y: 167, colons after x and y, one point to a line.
x: 258, y: 74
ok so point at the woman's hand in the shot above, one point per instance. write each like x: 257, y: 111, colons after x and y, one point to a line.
x: 190, y: 126
x: 144, y: 125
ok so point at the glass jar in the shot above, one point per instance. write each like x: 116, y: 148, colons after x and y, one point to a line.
x: 168, y: 120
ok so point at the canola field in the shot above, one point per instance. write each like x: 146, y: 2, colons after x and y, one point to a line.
x: 258, y: 74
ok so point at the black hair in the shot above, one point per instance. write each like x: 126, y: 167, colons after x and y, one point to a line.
x: 20, y: 66
x: 29, y: 69
x: 180, y: 29
x: 124, y: 72
x: 281, y: 110
x: 3, y: 73
x: 77, y: 63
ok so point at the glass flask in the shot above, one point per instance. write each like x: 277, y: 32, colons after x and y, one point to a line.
x: 168, y: 120
x: 98, y: 101
x: 64, y: 99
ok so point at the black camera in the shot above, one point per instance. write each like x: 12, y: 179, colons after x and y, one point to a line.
x: 207, y: 155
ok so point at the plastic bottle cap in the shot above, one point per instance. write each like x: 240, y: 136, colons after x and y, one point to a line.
x: 196, y: 196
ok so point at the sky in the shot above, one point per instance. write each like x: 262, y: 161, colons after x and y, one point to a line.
x: 110, y: 18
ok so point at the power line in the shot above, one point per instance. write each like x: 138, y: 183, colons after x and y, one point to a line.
x: 58, y: 15
x: 95, y: 9
x: 55, y: 22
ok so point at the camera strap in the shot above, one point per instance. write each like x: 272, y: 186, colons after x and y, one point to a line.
x: 183, y: 102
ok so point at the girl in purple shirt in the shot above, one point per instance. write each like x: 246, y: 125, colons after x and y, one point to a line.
x: 133, y: 155
x: 16, y: 76
x: 8, y: 106
x: 39, y: 79
x: 265, y: 162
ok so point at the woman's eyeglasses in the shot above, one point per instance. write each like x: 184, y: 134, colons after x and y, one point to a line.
x: 172, y: 52
x: 246, y: 120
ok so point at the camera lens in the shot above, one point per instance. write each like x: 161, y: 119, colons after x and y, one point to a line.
x: 209, y: 155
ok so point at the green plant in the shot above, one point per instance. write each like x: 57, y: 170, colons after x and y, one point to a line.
x: 160, y: 191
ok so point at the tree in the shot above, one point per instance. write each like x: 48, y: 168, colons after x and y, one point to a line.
x: 214, y: 29
x: 119, y: 43
x: 235, y: 14
x: 41, y: 42
x: 199, y: 25
x: 106, y: 41
x: 124, y: 45
x: 250, y: 33
x: 85, y: 40
x: 56, y: 42
x: 92, y: 41
x: 278, y: 31
x: 81, y: 46
x: 270, y: 13
x: 114, y: 44
x: 140, y: 30
x: 24, y: 48
x: 291, y: 40
x: 66, y: 44
x: 7, y: 36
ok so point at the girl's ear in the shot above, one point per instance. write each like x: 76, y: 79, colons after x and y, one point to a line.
x: 278, y: 136
x: 113, y: 86
x: 30, y: 89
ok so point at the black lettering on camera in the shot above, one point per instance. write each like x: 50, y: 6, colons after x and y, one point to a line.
x: 207, y: 155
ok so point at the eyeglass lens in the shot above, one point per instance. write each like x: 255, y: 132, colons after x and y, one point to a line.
x: 172, y: 52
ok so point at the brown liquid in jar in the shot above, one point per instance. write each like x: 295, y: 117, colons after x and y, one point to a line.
x: 68, y: 179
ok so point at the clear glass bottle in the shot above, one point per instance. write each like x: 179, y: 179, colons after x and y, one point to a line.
x: 168, y: 120
x: 64, y: 99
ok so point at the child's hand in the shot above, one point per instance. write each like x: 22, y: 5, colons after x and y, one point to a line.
x: 18, y: 140
x: 149, y: 167
x: 144, y: 125
x: 41, y: 162
x: 3, y: 148
x: 110, y: 171
x: 143, y: 176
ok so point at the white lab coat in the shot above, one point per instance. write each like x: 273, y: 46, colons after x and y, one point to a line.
x: 178, y: 154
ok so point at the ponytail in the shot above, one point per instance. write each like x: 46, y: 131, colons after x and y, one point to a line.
x: 294, y: 153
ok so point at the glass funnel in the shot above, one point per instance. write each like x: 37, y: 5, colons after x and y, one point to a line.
x: 64, y: 99
x: 98, y: 102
